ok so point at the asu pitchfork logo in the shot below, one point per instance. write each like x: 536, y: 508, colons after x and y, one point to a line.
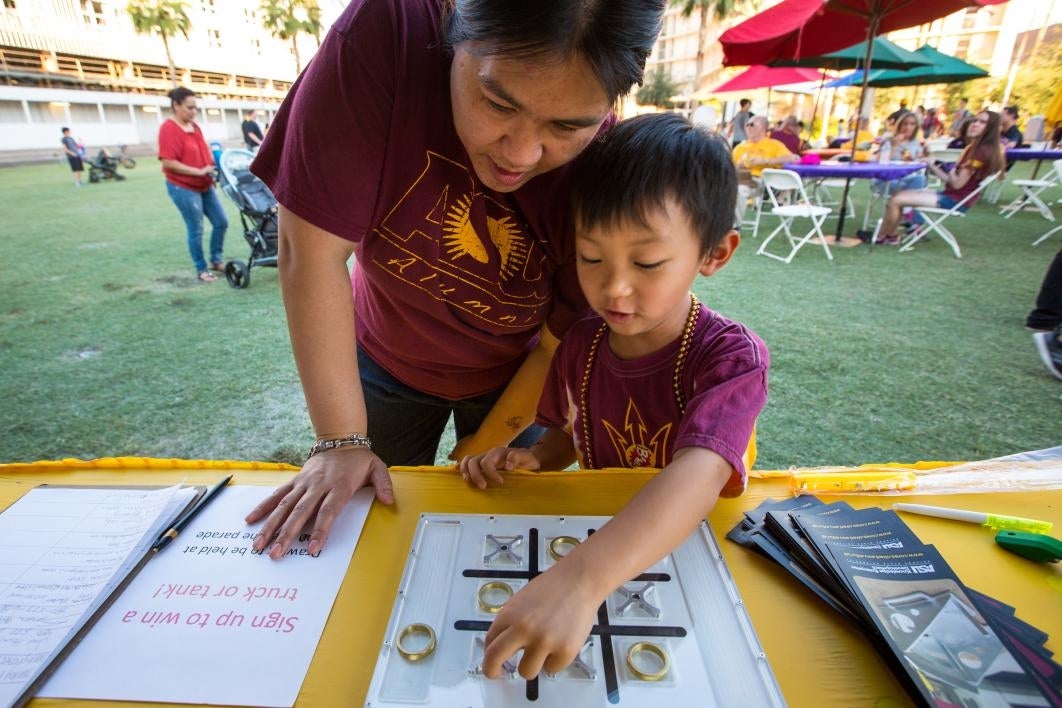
x: 634, y: 445
x: 495, y: 276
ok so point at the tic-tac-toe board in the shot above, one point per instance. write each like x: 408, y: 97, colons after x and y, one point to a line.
x: 678, y: 633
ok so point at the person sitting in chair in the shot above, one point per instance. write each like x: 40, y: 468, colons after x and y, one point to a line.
x: 753, y: 155
x: 981, y: 158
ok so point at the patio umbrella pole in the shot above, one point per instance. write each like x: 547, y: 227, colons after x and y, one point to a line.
x: 874, y: 20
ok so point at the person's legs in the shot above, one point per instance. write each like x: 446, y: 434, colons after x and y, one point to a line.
x: 405, y: 425
x: 219, y: 222
x: 1048, y: 312
x: 894, y: 209
x: 190, y: 204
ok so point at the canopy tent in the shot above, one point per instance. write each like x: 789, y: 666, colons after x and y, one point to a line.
x: 794, y: 29
x: 1054, y: 110
x: 761, y: 76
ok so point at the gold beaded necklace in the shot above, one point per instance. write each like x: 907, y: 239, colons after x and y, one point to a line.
x: 676, y: 379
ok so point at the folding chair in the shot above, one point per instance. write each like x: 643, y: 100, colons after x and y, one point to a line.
x: 1030, y: 193
x: 937, y: 225
x: 1048, y: 235
x: 781, y: 184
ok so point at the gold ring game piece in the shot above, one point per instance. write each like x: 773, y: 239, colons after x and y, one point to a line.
x: 411, y: 630
x: 556, y: 546
x: 493, y: 586
x: 648, y: 648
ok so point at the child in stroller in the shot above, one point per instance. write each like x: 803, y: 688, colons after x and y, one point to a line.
x: 104, y: 166
x: 258, y: 214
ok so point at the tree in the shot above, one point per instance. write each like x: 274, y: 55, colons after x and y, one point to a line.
x: 166, y: 18
x: 287, y: 19
x: 721, y: 9
x: 657, y: 90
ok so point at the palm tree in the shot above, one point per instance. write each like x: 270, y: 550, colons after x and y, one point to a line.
x: 286, y: 19
x: 721, y: 9
x: 165, y: 18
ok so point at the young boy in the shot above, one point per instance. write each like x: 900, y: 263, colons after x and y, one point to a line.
x: 655, y: 379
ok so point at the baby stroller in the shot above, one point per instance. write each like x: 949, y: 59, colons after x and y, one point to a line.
x: 103, y: 167
x: 258, y: 214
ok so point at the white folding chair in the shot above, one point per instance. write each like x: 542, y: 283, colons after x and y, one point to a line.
x: 1048, y: 235
x: 789, y: 201
x: 1030, y: 193
x: 936, y: 225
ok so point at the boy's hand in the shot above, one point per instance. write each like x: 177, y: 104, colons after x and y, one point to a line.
x: 549, y: 619
x: 481, y: 469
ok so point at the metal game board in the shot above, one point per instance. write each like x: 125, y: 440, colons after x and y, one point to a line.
x: 677, y: 633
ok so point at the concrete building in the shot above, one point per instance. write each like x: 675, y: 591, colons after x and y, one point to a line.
x: 80, y: 63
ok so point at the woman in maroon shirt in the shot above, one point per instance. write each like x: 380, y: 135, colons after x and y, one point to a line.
x: 189, y: 168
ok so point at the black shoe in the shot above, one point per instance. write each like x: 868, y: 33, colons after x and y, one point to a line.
x: 1050, y: 351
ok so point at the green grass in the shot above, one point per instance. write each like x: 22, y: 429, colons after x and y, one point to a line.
x: 109, y: 346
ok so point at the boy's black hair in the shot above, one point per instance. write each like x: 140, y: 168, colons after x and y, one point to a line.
x: 613, y: 36
x: 178, y: 95
x: 644, y: 161
x: 65, y: 130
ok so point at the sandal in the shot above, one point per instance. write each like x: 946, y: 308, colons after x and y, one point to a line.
x: 219, y: 267
x: 207, y: 277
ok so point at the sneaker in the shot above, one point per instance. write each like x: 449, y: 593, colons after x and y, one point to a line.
x: 889, y: 241
x: 1050, y: 349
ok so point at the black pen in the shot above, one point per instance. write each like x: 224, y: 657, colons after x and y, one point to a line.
x: 180, y: 523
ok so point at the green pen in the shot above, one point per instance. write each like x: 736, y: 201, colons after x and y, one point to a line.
x: 996, y: 522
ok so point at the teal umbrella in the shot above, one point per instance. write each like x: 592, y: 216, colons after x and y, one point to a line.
x: 942, y: 69
x: 886, y: 56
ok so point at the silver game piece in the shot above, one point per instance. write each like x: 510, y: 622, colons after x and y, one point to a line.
x: 631, y: 598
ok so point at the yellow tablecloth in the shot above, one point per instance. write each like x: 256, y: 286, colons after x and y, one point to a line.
x: 818, y: 658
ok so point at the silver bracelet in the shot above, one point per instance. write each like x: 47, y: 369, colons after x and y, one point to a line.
x: 357, y: 440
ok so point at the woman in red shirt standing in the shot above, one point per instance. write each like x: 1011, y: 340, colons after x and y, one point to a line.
x: 189, y: 168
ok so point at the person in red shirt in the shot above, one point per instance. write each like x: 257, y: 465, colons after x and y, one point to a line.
x: 981, y: 157
x: 189, y: 168
x: 432, y: 141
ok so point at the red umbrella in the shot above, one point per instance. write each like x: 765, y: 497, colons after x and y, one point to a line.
x: 768, y: 76
x: 800, y: 28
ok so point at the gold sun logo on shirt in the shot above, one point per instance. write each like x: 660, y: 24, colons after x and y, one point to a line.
x: 634, y: 445
x: 461, y: 239
x: 511, y: 244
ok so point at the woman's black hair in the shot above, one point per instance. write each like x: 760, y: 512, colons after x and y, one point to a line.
x: 644, y: 161
x: 178, y: 95
x: 613, y: 36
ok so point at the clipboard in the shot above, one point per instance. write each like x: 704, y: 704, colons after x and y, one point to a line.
x: 111, y: 590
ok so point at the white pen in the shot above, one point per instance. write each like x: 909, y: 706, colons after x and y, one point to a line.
x: 993, y: 521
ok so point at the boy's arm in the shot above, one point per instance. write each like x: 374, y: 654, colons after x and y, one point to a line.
x: 551, y: 617
x: 514, y: 411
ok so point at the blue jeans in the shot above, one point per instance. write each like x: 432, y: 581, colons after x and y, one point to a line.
x: 193, y: 206
x: 406, y: 425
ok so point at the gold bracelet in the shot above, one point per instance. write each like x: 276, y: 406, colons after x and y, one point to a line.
x: 558, y: 543
x: 409, y: 630
x: 494, y: 585
x: 655, y: 650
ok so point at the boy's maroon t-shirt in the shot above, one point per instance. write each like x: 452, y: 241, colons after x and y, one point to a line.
x: 187, y: 148
x: 634, y: 417
x: 452, y: 280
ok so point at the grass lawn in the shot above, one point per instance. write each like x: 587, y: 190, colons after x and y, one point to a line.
x: 109, y: 346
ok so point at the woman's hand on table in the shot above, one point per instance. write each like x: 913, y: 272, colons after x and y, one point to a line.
x: 549, y: 618
x: 480, y: 470
x: 318, y: 493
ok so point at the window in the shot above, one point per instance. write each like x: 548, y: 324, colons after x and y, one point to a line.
x: 9, y: 4
x: 92, y: 12
x: 257, y: 45
x: 207, y: 6
x: 214, y: 38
